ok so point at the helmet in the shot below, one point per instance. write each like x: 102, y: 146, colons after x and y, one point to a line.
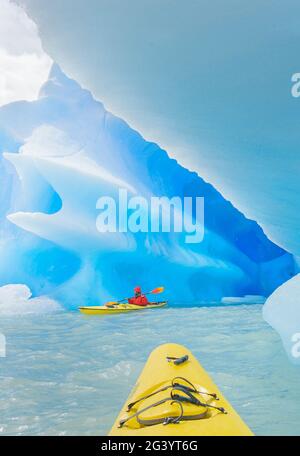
x: 137, y: 290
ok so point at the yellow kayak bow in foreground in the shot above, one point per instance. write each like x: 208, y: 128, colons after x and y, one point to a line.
x: 119, y: 308
x: 174, y: 396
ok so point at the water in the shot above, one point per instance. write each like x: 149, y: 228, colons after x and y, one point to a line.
x: 67, y: 374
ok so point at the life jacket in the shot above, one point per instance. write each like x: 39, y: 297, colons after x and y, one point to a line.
x: 139, y: 301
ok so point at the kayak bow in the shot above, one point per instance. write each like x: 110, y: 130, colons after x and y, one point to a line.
x: 174, y: 396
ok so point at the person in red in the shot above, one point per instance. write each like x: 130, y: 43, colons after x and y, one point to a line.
x: 139, y: 299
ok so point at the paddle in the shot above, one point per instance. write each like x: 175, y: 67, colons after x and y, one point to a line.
x: 155, y: 291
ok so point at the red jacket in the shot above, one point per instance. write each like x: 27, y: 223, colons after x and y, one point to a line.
x: 139, y: 301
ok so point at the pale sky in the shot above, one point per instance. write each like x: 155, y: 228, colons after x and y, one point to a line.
x: 24, y: 66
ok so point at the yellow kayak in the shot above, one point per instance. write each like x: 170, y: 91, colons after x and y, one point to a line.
x: 118, y: 308
x: 174, y: 396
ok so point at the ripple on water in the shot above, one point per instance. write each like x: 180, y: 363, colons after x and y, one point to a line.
x: 66, y: 374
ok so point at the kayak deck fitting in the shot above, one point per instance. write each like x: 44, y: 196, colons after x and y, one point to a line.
x: 118, y: 308
x: 174, y: 396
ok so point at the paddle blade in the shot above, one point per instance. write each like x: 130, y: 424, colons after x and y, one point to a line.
x: 158, y: 290
x: 110, y: 303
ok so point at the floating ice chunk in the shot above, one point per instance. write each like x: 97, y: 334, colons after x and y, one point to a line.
x: 247, y: 299
x: 16, y: 299
x: 282, y: 312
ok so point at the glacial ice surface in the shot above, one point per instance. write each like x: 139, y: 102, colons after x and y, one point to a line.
x: 59, y: 154
x: 16, y: 299
x: 282, y: 312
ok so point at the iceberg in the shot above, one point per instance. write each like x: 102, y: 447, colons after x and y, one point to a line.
x: 59, y: 154
x: 282, y: 312
x: 15, y: 299
x: 214, y: 89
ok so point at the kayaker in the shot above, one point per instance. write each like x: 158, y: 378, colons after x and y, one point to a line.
x: 139, y: 299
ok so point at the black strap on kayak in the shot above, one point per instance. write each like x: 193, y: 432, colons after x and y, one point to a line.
x: 163, y: 420
x: 132, y: 404
x: 175, y: 398
x: 178, y: 361
x: 166, y: 420
x: 192, y: 388
x: 172, y: 419
x: 173, y: 384
x: 187, y: 397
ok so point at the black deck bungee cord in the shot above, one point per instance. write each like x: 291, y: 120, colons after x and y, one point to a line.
x: 173, y: 384
x: 174, y: 398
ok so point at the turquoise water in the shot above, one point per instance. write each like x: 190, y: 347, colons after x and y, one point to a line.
x: 68, y: 374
